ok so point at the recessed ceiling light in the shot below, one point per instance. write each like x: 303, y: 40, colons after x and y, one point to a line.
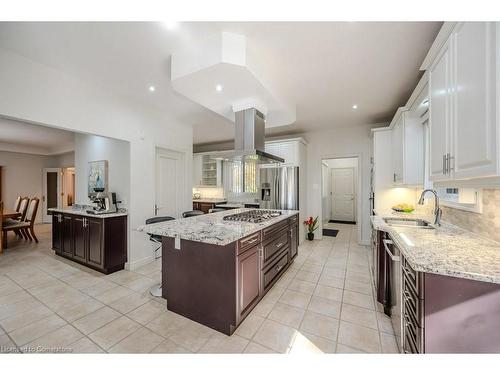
x: 152, y: 88
x: 355, y: 106
x: 170, y: 25
x: 218, y: 88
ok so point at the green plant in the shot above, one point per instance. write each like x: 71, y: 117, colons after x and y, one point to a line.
x: 312, y: 224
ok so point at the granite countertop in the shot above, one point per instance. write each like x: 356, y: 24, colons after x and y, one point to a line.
x: 211, y: 228
x: 210, y: 200
x: 447, y: 250
x: 83, y: 212
x: 231, y: 205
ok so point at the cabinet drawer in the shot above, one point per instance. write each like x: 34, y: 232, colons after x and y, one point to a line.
x: 247, y: 242
x: 269, y: 233
x: 414, y: 279
x: 275, y: 246
x: 414, y: 307
x: 293, y: 220
x: 275, y: 269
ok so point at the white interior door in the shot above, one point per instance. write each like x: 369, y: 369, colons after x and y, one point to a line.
x: 343, y: 194
x: 52, y: 189
x: 170, y: 181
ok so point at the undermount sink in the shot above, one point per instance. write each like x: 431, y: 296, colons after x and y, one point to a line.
x: 413, y: 223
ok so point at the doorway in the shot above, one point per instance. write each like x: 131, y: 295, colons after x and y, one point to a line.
x: 51, y: 192
x: 170, y: 181
x: 340, y: 188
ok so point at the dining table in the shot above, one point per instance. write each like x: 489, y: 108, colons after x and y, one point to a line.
x: 10, y: 214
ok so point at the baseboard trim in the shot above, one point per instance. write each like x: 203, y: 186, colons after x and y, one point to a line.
x: 341, y: 222
x: 130, y: 266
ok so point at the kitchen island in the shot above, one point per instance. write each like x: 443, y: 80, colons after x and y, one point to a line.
x: 214, y: 271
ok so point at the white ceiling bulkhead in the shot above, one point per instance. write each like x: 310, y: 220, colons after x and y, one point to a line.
x: 216, y: 73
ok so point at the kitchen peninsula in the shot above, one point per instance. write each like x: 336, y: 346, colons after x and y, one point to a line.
x: 217, y: 267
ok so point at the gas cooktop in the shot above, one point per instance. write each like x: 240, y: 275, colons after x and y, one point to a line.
x: 253, y: 216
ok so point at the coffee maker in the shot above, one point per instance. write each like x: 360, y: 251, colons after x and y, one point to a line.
x: 104, y: 203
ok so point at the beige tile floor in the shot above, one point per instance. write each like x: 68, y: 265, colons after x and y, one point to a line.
x: 322, y: 304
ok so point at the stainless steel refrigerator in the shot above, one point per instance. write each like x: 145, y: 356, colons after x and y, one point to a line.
x: 279, y: 188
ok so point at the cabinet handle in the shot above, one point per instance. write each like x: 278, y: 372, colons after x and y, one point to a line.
x: 389, y: 252
x: 444, y: 164
x: 253, y: 240
x: 279, y: 245
x: 448, y: 158
x: 279, y: 267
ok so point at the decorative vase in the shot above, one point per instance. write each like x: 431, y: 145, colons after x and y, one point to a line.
x: 310, y: 236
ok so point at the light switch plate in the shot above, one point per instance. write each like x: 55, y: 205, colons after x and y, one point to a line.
x: 177, y: 243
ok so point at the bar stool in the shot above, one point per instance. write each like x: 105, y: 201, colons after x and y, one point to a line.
x: 156, y: 290
x: 214, y: 210
x: 192, y: 213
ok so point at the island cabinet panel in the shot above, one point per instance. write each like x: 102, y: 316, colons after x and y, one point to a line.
x: 98, y: 243
x: 199, y: 282
x: 248, y: 281
x: 444, y: 314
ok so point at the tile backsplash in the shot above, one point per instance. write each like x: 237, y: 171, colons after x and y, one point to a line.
x: 486, y: 224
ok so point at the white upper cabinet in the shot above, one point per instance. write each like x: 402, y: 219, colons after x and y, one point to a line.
x: 474, y: 124
x: 407, y: 149
x: 289, y: 150
x: 439, y: 112
x: 197, y: 167
x: 206, y: 171
x: 462, y: 119
x: 398, y: 150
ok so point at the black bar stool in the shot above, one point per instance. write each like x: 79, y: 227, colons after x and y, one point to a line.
x: 192, y: 213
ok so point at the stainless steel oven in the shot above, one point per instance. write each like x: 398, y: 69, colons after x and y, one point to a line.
x: 395, y: 282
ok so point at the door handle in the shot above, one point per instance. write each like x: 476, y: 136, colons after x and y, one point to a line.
x: 389, y: 252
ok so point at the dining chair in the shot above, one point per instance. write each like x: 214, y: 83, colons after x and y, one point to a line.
x: 17, y: 204
x: 26, y: 227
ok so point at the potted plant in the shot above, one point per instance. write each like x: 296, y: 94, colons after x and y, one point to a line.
x: 312, y: 225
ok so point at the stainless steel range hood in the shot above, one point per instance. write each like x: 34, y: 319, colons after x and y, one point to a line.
x: 249, y: 140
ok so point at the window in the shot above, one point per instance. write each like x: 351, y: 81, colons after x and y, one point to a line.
x: 243, y: 177
x: 461, y: 198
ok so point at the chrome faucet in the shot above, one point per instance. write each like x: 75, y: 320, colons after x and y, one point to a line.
x: 437, y: 210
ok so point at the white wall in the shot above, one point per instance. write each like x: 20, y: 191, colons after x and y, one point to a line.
x: 22, y: 175
x: 41, y: 94
x: 92, y: 148
x: 339, y: 142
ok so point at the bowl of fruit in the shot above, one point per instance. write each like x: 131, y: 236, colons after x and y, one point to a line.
x: 403, y: 207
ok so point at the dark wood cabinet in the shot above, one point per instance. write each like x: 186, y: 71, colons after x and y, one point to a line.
x: 56, y: 232
x: 80, y: 241
x: 294, y: 239
x: 248, y: 281
x: 95, y: 245
x: 67, y: 235
x: 99, y: 243
x: 205, y: 206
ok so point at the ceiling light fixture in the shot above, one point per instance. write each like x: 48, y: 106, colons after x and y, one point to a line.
x: 355, y: 106
x: 152, y: 88
x: 170, y: 25
x: 218, y: 88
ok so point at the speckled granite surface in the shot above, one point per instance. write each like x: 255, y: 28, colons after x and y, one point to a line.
x: 448, y: 250
x: 83, y: 212
x: 211, y: 228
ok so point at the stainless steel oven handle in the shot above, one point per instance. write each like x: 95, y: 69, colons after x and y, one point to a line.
x: 388, y: 251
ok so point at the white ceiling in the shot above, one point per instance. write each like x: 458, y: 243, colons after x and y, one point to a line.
x: 323, y: 67
x: 17, y: 136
